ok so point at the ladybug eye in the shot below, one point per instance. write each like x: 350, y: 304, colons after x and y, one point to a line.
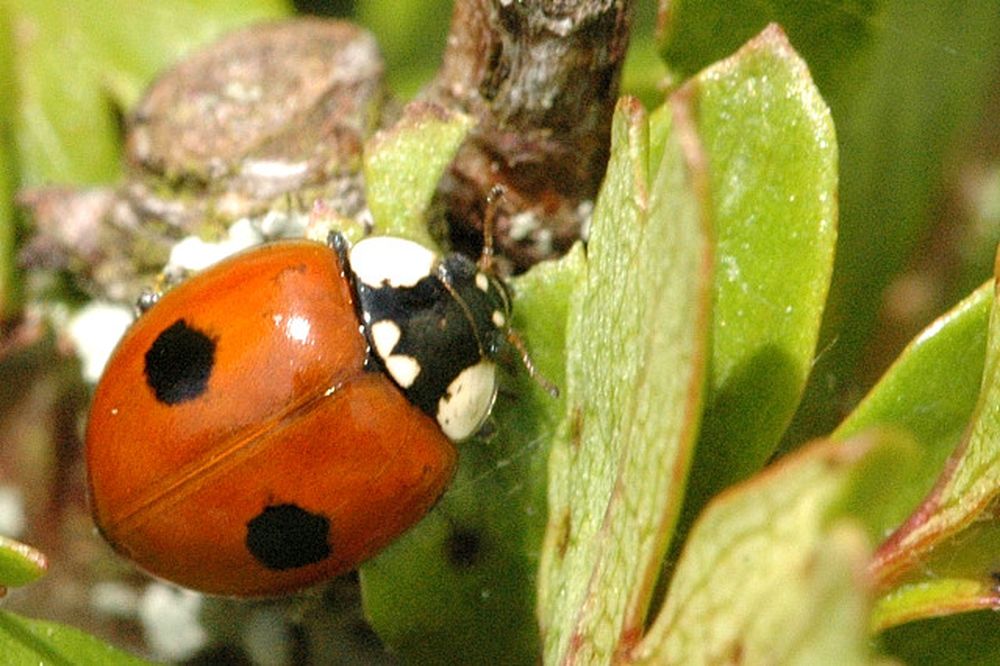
x: 179, y: 363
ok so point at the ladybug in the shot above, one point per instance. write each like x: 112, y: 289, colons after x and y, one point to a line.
x: 285, y: 414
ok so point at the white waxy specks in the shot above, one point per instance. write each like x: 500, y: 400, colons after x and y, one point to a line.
x: 482, y: 282
x: 467, y: 402
x: 170, y: 620
x: 385, y: 334
x: 404, y: 369
x: 194, y: 254
x: 94, y: 331
x: 381, y: 261
x: 498, y: 319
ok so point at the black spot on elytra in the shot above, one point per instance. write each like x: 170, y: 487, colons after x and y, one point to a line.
x: 179, y: 363
x: 465, y: 547
x: 285, y: 536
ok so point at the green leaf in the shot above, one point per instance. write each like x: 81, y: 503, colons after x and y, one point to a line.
x: 8, y: 163
x: 972, y: 639
x: 74, y: 67
x: 772, y: 155
x: 24, y: 641
x: 895, y: 150
x: 773, y: 571
x: 933, y: 598
x: 930, y: 392
x: 644, y: 72
x: 403, y: 164
x: 20, y: 564
x: 411, y: 35
x: 637, y: 347
x: 697, y: 32
x: 943, y: 558
x: 460, y: 586
x: 877, y: 63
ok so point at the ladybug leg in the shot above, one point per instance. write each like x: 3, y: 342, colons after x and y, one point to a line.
x: 488, y: 430
x: 338, y: 243
x: 147, y: 299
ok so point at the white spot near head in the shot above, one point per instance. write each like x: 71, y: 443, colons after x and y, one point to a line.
x: 482, y: 282
x: 386, y: 260
x: 403, y: 369
x: 468, y: 400
x: 385, y: 334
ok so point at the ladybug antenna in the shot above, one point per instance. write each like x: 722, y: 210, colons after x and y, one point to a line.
x: 517, y: 343
x: 497, y: 192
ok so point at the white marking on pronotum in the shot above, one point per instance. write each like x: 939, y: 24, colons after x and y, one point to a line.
x: 498, y: 319
x: 385, y: 335
x: 482, y: 282
x: 404, y: 369
x: 387, y: 261
x: 467, y: 402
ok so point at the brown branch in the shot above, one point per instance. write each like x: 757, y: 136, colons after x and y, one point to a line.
x: 541, y: 77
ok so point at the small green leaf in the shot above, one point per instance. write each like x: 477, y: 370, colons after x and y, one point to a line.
x: 637, y: 348
x: 773, y: 571
x: 949, y: 543
x: 24, y: 641
x: 772, y: 156
x: 403, y: 165
x: 930, y: 392
x: 933, y: 598
x: 74, y: 67
x: 20, y: 564
x: 436, y: 595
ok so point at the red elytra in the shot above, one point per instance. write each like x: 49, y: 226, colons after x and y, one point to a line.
x: 238, y: 445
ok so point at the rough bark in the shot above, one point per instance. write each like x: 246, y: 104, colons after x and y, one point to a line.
x: 541, y: 77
